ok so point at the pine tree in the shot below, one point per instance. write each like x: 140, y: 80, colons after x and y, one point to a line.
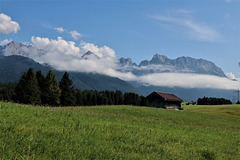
x: 79, y: 98
x: 67, y: 97
x: 53, y: 90
x: 42, y: 86
x: 118, y: 98
x: 27, y: 90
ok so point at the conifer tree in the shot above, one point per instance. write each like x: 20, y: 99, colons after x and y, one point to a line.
x: 42, y: 86
x: 67, y: 97
x: 79, y: 98
x: 27, y: 90
x: 53, y: 90
x: 118, y: 97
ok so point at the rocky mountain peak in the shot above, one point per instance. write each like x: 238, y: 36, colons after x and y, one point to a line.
x: 15, y: 45
x: 126, y: 61
x: 90, y: 55
x: 14, y: 48
x: 159, y: 59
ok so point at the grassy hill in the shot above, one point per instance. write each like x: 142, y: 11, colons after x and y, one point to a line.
x: 119, y: 132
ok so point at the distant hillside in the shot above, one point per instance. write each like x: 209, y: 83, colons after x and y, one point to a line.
x: 12, y: 68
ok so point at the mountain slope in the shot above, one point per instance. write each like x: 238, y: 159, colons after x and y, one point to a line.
x: 12, y: 68
x: 20, y: 49
x: 161, y: 63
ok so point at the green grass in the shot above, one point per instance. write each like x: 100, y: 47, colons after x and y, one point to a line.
x: 221, y: 110
x: 119, y: 132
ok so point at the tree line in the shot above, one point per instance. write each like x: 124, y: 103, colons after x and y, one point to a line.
x: 212, y: 101
x: 36, y: 89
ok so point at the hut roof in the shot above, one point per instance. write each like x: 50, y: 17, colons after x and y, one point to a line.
x: 166, y: 96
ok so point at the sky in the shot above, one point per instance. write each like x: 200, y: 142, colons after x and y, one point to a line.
x: 207, y: 29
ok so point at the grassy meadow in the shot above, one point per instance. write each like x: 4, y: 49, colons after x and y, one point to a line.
x: 119, y: 132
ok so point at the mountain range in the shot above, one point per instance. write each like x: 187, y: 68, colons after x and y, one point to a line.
x: 20, y: 49
x: 161, y: 64
x: 158, y: 63
x: 16, y: 58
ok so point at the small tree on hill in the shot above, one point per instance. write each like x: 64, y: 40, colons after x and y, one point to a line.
x: 27, y: 90
x: 67, y: 97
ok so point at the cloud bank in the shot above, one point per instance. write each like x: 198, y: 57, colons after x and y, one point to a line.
x: 68, y: 56
x: 7, y: 25
x: 188, y: 80
x: 231, y: 75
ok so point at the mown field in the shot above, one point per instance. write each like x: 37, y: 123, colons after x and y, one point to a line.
x: 119, y: 132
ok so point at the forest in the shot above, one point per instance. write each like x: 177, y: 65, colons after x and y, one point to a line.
x: 36, y: 89
x: 213, y: 101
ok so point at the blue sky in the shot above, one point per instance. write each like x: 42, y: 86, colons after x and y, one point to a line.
x: 208, y: 29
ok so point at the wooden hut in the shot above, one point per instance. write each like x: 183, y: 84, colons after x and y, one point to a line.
x: 164, y: 100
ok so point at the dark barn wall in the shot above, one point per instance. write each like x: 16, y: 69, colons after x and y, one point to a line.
x: 162, y: 104
x: 157, y: 103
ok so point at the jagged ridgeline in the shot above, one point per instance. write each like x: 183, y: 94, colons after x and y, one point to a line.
x: 158, y: 63
x: 162, y: 64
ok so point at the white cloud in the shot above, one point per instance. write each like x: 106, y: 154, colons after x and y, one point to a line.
x: 184, y: 80
x: 188, y: 80
x: 196, y: 30
x: 59, y: 46
x: 7, y: 25
x: 101, y: 52
x: 230, y: 75
x: 59, y: 29
x: 5, y: 41
x: 76, y: 35
x: 66, y: 55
